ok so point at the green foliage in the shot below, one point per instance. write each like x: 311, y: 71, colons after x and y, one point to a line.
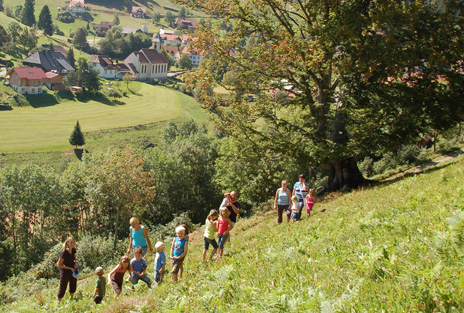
x: 70, y: 57
x: 156, y: 17
x: 169, y: 18
x: 80, y: 39
x: 117, y: 45
x: 27, y: 16
x: 19, y: 100
x: 116, y: 19
x: 85, y: 77
x: 65, y: 17
x: 185, y: 62
x: 77, y: 137
x: 45, y: 21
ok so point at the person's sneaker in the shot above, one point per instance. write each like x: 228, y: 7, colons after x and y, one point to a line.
x: 149, y: 285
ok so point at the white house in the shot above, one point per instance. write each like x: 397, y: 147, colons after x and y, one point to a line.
x: 173, y: 51
x: 194, y: 55
x: 107, y: 67
x: 148, y: 64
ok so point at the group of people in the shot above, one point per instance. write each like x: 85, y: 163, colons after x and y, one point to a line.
x: 139, y: 244
x: 292, y: 203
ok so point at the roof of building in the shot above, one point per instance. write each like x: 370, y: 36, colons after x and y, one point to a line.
x: 49, y: 60
x: 106, y: 63
x: 154, y: 56
x: 61, y: 50
x: 106, y: 24
x: 187, y: 21
x: 135, y: 9
x: 171, y: 49
x: 75, y: 3
x: 141, y: 57
x: 31, y: 73
x: 51, y: 75
x: 192, y: 51
x: 168, y: 37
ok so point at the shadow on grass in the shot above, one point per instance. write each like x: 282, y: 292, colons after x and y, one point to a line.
x: 41, y: 101
x: 118, y: 102
x: 79, y: 153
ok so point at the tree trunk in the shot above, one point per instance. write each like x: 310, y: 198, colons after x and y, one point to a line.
x: 344, y: 175
x: 116, y: 226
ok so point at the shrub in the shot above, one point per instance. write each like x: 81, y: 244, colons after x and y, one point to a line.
x: 65, y: 17
x: 19, y: 100
x: 366, y: 167
x: 91, y: 252
x: 167, y: 232
x: 387, y: 162
x: 408, y: 154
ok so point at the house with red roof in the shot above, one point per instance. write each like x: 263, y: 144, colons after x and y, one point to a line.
x: 139, y: 12
x: 195, y: 55
x: 26, y: 80
x: 148, y: 64
x: 77, y: 6
x: 173, y: 51
x: 108, y: 68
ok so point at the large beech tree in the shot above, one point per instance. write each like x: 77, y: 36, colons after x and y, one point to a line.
x: 329, y: 81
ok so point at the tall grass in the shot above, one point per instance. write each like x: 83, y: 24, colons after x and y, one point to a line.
x: 396, y: 247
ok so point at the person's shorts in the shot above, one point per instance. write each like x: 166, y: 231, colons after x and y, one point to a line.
x: 144, y: 250
x: 222, y: 241
x: 158, y: 276
x: 176, y: 265
x: 295, y: 215
x: 211, y: 242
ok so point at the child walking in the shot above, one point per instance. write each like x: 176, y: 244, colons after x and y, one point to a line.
x: 116, y: 276
x: 310, y: 201
x: 186, y: 236
x: 179, y: 249
x: 100, y: 286
x: 139, y: 266
x: 225, y: 225
x: 295, y: 209
x: 209, y: 236
x: 160, y: 262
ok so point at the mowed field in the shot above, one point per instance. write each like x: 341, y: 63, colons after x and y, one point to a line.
x: 47, y: 128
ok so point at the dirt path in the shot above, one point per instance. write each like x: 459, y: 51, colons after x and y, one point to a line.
x: 420, y: 168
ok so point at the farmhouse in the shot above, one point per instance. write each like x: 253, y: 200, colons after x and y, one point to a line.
x: 102, y: 28
x: 26, y: 80
x: 107, y: 67
x: 147, y: 64
x: 173, y: 51
x: 49, y: 61
x: 139, y: 12
x: 170, y: 39
x: 190, y: 23
x: 77, y: 6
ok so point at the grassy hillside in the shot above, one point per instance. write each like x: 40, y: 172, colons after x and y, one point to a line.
x: 46, y: 125
x: 101, y: 11
x: 396, y: 247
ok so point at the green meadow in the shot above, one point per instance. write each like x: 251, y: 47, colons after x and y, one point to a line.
x: 47, y: 123
x: 395, y: 247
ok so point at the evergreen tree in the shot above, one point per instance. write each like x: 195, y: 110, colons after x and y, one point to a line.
x: 116, y: 19
x: 45, y: 21
x: 77, y: 137
x: 70, y: 57
x: 1, y: 6
x: 182, y: 12
x: 28, y: 17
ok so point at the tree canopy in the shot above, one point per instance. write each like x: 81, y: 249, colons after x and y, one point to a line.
x: 77, y: 137
x: 27, y: 15
x: 361, y: 77
x: 45, y: 21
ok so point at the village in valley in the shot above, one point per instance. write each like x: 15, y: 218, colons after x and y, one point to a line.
x: 48, y: 65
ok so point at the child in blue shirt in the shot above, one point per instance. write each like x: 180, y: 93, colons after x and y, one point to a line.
x: 139, y: 267
x: 160, y: 262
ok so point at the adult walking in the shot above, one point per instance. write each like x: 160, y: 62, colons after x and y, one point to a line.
x: 233, y: 207
x: 138, y: 237
x: 67, y: 264
x: 282, y: 200
x: 300, y: 190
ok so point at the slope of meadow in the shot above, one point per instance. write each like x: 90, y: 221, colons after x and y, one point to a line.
x: 395, y: 247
